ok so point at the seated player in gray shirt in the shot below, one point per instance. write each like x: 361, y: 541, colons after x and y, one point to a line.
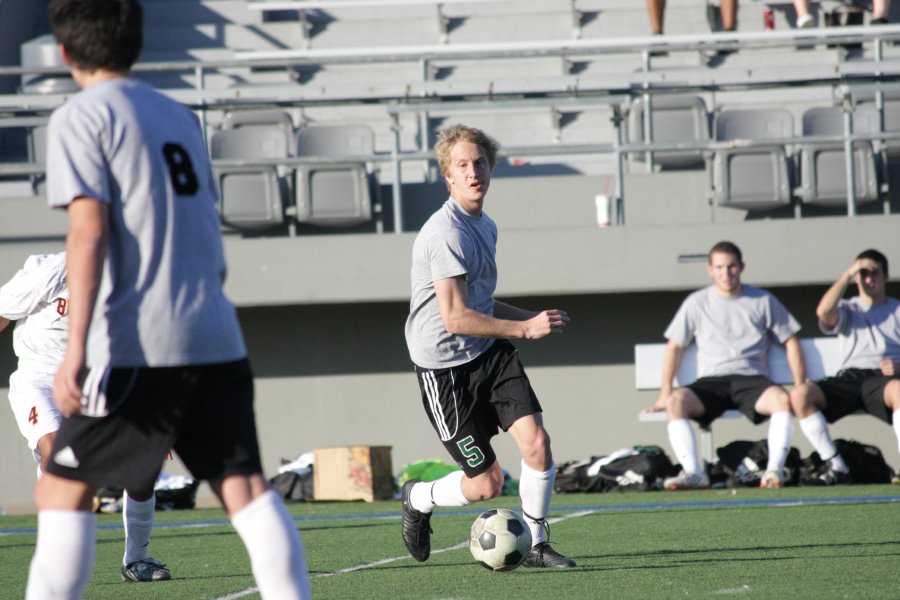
x: 733, y: 325
x: 868, y: 327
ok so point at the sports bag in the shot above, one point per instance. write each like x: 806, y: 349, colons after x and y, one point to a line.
x: 743, y: 463
x: 866, y: 463
x: 629, y: 469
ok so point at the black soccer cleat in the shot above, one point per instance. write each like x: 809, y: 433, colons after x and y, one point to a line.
x: 542, y: 556
x: 829, y: 476
x: 147, y: 569
x: 416, y: 526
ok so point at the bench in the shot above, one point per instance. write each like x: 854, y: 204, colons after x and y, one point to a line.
x: 822, y: 355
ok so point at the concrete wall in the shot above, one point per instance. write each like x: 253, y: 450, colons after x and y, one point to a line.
x: 339, y: 374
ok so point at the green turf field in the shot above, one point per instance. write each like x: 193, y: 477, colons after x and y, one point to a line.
x: 796, y: 543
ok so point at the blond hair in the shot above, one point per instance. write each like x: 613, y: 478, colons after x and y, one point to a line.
x: 450, y: 136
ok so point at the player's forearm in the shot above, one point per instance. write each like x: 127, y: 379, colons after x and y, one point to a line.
x: 4, y: 322
x: 796, y: 360
x: 473, y: 323
x: 826, y: 311
x: 671, y: 361
x: 511, y: 313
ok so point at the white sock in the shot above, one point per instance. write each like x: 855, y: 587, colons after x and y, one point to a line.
x: 63, y: 557
x: 447, y: 491
x: 536, y: 491
x: 781, y: 433
x: 138, y: 520
x: 897, y: 426
x: 815, y: 428
x: 684, y: 445
x: 273, y: 543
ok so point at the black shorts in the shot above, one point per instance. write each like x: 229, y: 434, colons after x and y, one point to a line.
x: 718, y: 394
x: 204, y: 413
x: 468, y: 404
x: 855, y: 389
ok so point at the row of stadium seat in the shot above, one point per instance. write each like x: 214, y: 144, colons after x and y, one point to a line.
x: 760, y: 165
x: 337, y: 190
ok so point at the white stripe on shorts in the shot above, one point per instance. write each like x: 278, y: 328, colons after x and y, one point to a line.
x: 429, y: 384
x: 93, y: 399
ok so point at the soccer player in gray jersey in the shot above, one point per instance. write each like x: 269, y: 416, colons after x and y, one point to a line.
x: 470, y: 376
x: 868, y: 327
x: 733, y: 325
x: 155, y: 357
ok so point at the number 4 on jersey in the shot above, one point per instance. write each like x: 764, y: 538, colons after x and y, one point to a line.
x: 33, y: 415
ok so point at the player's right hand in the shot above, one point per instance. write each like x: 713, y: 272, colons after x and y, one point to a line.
x: 661, y: 403
x: 67, y: 392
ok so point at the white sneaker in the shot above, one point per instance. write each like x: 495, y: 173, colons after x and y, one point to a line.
x: 806, y: 21
x: 771, y: 480
x: 687, y: 481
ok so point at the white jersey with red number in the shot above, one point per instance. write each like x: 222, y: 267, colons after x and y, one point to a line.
x: 37, y: 299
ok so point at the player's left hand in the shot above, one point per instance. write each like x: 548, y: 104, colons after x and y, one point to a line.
x: 888, y: 367
x: 558, y: 320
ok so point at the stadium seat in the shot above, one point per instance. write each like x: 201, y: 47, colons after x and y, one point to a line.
x: 674, y: 119
x: 338, y: 193
x: 753, y: 177
x: 253, y: 197
x: 823, y: 172
x: 43, y: 51
x: 891, y: 125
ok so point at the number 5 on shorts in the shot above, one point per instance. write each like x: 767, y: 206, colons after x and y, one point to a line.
x: 472, y: 452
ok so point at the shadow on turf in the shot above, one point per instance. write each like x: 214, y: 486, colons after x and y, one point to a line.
x: 666, y: 553
x: 683, y: 552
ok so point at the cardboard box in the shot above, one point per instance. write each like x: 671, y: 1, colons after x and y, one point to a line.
x: 353, y: 473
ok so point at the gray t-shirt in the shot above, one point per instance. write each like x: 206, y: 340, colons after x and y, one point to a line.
x: 160, y: 301
x: 451, y: 243
x: 732, y: 334
x: 867, y: 333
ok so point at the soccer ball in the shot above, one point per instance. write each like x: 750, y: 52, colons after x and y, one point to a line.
x: 500, y: 540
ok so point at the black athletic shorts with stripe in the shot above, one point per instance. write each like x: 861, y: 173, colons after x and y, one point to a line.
x: 204, y: 413
x: 855, y: 389
x: 720, y: 393
x: 468, y: 404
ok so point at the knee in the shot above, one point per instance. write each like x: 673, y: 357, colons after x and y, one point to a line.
x: 892, y: 394
x: 681, y: 405
x: 485, y: 488
x: 775, y: 399
x: 801, y: 401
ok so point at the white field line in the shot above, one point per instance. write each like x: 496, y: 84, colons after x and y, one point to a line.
x: 385, y: 561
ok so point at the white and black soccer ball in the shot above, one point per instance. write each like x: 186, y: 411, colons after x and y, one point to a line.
x: 500, y: 540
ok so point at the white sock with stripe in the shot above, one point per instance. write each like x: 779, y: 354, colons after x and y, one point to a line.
x: 276, y: 553
x: 536, y: 491
x: 815, y: 428
x: 684, y: 445
x: 138, y: 520
x: 63, y: 557
x: 446, y: 491
x: 781, y: 433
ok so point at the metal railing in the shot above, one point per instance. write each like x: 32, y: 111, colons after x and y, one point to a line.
x: 423, y: 97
